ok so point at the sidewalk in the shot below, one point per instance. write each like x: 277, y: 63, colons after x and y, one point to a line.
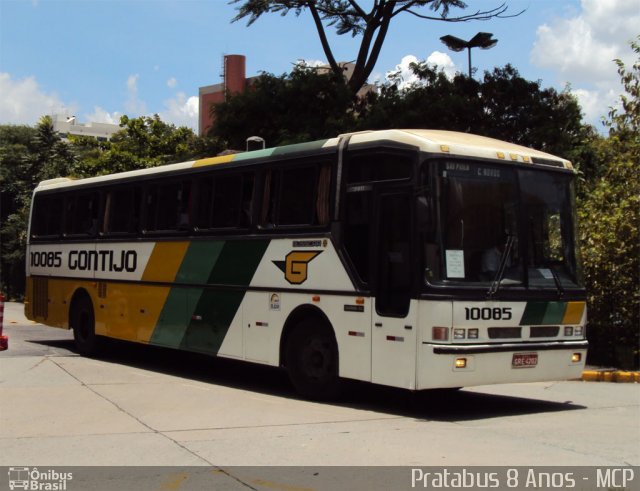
x: 610, y: 375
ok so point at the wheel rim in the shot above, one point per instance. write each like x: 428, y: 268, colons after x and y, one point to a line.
x: 317, y: 360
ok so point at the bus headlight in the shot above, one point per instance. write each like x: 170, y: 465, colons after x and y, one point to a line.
x: 459, y: 333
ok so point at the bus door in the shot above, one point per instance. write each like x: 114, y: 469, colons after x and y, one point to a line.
x: 394, y: 314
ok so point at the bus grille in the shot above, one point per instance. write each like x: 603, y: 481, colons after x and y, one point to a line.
x: 544, y: 331
x: 504, y: 332
x: 41, y: 297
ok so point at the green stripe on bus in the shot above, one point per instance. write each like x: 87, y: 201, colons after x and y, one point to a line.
x: 238, y: 262
x: 177, y: 311
x: 199, y: 261
x: 198, y: 319
x: 543, y: 313
x: 554, y: 313
x: 211, y: 320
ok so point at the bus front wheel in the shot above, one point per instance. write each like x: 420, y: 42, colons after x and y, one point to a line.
x: 312, y: 361
x: 84, y: 326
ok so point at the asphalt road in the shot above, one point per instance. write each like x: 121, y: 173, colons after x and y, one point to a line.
x: 143, y: 406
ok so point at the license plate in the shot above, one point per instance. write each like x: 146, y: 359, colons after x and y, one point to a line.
x: 524, y: 360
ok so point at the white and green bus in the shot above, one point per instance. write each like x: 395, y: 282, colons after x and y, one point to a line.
x: 416, y: 259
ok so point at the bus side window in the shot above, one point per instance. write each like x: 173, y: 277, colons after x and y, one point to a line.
x: 122, y: 211
x: 81, y: 213
x: 168, y: 206
x: 324, y: 193
x: 270, y: 191
x: 227, y: 201
x: 357, y: 231
x: 47, y: 217
x: 224, y: 202
x: 297, y: 196
x: 379, y: 166
x: 246, y: 214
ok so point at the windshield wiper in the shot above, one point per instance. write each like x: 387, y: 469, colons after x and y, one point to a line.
x: 556, y: 280
x: 495, y: 285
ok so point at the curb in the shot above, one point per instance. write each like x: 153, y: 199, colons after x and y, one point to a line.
x: 610, y: 376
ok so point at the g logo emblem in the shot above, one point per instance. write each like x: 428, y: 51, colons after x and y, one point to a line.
x: 295, y: 266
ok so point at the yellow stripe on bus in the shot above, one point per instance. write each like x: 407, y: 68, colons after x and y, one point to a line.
x: 165, y: 261
x: 573, y: 313
x: 223, y: 159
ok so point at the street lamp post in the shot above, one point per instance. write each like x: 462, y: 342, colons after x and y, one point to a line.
x: 482, y: 40
x: 255, y: 143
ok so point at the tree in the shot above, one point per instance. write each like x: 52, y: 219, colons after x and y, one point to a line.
x: 502, y: 105
x: 609, y: 212
x: 350, y: 17
x: 27, y: 156
x: 301, y: 106
x: 143, y: 142
x: 30, y: 155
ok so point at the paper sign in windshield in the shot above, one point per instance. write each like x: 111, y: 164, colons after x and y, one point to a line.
x: 455, y: 263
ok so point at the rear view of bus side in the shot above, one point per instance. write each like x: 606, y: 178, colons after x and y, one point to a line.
x: 412, y: 258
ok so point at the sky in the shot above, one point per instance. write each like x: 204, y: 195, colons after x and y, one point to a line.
x: 100, y: 59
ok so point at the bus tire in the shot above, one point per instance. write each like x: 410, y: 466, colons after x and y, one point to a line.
x: 84, y: 327
x: 312, y: 360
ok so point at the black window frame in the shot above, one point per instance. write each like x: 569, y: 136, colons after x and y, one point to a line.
x: 244, y: 217
x: 37, y: 218
x: 269, y: 217
x: 151, y: 189
x: 135, y: 217
x: 70, y: 212
x: 373, y: 188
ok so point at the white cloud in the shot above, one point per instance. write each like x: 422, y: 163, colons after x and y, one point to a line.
x: 100, y: 115
x: 404, y: 73
x: 581, y: 49
x: 443, y: 62
x: 172, y: 82
x: 133, y: 105
x: 310, y: 63
x: 24, y: 102
x: 182, y: 111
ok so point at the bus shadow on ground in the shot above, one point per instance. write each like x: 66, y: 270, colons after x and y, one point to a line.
x: 438, y: 404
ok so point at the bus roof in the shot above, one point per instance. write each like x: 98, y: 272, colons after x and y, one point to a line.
x: 430, y: 141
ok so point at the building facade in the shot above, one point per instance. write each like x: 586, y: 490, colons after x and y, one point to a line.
x: 67, y: 125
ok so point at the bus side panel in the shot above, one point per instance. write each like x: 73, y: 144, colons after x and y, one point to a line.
x: 431, y: 314
x: 264, y: 315
x: 47, y: 300
x: 351, y: 318
x: 130, y: 311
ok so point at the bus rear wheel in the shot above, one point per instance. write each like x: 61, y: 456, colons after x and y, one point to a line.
x: 84, y: 326
x: 312, y: 361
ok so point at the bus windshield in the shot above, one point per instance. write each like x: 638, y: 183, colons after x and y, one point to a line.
x: 501, y: 227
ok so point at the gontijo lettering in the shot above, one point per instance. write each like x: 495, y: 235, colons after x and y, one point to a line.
x: 79, y: 260
x: 103, y: 261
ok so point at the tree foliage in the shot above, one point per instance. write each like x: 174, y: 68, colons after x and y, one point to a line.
x: 502, y: 105
x: 27, y: 156
x: 369, y: 22
x: 301, y: 106
x: 610, y: 232
x: 30, y: 155
x: 143, y: 142
x: 307, y: 105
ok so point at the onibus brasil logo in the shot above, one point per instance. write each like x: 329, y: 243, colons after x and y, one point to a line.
x: 34, y: 479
